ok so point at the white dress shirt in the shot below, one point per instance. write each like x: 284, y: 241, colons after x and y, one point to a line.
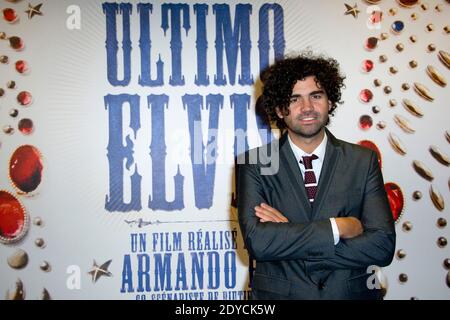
x: 317, y: 168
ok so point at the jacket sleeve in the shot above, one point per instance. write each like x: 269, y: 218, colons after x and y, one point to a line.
x: 270, y: 241
x: 376, y: 245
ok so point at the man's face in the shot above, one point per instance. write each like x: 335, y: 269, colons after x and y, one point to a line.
x: 308, y: 109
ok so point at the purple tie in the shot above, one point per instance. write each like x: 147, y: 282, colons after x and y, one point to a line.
x: 310, y: 177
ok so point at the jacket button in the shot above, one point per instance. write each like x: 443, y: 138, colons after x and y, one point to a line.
x: 321, y: 285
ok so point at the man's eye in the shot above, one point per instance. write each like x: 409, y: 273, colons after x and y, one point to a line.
x: 293, y: 99
x: 317, y: 96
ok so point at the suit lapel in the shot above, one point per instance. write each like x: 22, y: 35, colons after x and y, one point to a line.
x: 294, y: 175
x: 326, y: 176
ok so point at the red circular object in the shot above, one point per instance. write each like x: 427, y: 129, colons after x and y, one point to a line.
x: 367, y: 65
x: 376, y: 17
x: 13, y: 218
x: 372, y: 146
x: 9, y: 14
x: 26, y: 126
x: 371, y: 43
x: 396, y: 199
x: 408, y: 3
x: 25, y: 168
x: 16, y: 43
x: 366, y: 95
x: 365, y: 122
x: 24, y: 98
x: 22, y: 66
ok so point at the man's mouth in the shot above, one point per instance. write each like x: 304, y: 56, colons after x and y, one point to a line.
x: 307, y: 120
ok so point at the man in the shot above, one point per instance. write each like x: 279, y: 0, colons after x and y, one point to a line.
x: 318, y: 222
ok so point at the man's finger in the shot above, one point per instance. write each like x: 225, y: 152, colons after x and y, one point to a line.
x: 268, y: 215
x: 275, y: 212
x: 266, y: 212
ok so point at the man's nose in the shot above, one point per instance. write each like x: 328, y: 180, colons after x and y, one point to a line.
x: 307, y: 104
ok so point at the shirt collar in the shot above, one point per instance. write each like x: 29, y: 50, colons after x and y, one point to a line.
x: 319, y: 151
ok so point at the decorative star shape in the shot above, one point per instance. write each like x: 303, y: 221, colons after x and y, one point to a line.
x: 97, y: 271
x: 352, y: 10
x: 32, y: 11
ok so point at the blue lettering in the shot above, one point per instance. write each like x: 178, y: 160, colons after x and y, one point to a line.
x: 117, y: 153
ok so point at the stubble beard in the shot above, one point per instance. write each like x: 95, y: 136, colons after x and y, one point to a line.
x: 312, y: 132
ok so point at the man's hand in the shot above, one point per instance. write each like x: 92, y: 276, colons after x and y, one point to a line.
x: 266, y: 213
x: 349, y: 227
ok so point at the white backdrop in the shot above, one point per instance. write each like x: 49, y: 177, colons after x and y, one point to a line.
x: 68, y: 80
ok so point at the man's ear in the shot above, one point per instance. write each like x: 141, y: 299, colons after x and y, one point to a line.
x: 279, y: 113
x: 329, y: 105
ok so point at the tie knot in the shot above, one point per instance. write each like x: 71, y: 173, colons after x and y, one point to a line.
x: 307, y: 161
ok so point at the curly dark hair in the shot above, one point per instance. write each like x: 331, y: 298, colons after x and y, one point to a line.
x: 279, y: 79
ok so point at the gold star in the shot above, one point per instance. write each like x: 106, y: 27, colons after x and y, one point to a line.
x: 97, y: 271
x: 352, y: 10
x: 32, y: 11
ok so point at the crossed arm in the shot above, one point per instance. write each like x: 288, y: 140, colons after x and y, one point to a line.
x: 269, y: 235
x: 348, y: 227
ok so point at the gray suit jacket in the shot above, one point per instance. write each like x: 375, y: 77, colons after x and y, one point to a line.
x: 298, y: 260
